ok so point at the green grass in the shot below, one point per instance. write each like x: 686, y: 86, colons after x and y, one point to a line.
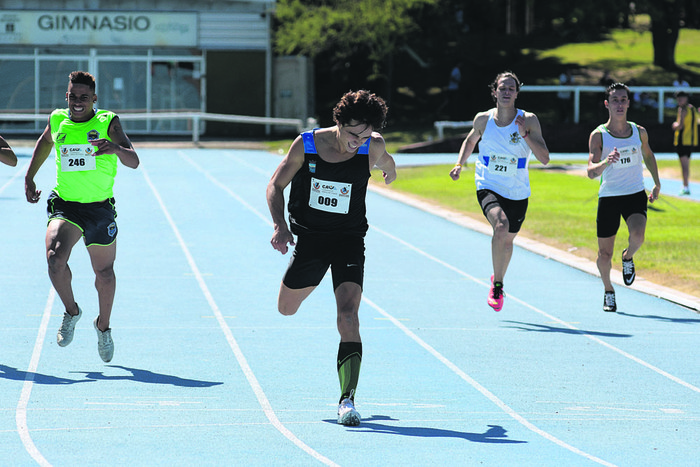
x: 629, y: 54
x: 562, y: 213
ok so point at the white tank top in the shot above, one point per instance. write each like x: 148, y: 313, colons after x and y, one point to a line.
x: 503, y: 160
x: 624, y: 177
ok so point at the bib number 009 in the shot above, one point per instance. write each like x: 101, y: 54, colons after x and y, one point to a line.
x: 324, y: 201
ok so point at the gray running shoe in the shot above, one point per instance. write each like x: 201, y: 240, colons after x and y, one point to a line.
x: 609, y: 302
x: 347, y: 415
x: 65, y: 332
x: 628, y: 273
x: 105, y: 345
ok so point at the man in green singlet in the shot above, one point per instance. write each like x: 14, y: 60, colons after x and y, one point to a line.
x: 89, y: 142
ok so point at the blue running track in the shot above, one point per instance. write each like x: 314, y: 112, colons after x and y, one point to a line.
x: 207, y: 372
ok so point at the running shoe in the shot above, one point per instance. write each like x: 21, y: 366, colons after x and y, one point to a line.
x: 609, y: 302
x: 347, y: 415
x: 496, y: 295
x: 65, y: 332
x: 628, y: 273
x: 685, y: 191
x: 105, y: 345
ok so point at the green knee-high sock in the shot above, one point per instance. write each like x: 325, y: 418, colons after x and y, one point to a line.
x: 349, y: 360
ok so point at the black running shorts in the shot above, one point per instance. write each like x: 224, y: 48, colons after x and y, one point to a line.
x: 515, y: 210
x: 315, y: 253
x: 610, y: 208
x: 95, y: 220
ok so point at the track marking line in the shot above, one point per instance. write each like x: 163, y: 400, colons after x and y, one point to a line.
x: 17, y: 174
x: 423, y: 344
x: 221, y: 185
x: 21, y: 412
x: 242, y: 362
x: 543, y: 313
x: 485, y: 392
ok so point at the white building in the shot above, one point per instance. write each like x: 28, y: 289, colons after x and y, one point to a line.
x: 210, y: 56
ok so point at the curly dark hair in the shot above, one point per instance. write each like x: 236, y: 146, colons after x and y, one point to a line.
x: 82, y: 77
x: 362, y: 106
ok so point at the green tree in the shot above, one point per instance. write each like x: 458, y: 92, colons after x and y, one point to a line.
x: 666, y: 16
x: 342, y: 30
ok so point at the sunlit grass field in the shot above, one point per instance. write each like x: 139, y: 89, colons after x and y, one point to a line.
x: 562, y: 214
x: 629, y: 54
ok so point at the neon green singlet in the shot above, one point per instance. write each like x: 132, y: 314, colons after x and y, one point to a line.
x: 76, y: 183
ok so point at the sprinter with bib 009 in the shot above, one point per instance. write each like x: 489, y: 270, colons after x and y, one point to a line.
x: 329, y: 169
x: 88, y: 142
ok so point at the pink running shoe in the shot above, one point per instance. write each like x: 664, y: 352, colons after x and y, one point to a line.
x: 496, y: 295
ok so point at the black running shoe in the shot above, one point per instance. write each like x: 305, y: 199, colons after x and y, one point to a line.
x: 609, y: 302
x: 628, y: 273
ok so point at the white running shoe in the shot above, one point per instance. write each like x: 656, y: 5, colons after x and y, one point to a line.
x: 65, y: 332
x: 105, y: 345
x: 347, y: 415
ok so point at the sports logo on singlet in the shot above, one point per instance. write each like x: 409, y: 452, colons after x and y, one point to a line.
x: 312, y: 167
x: 515, y: 138
x: 93, y: 135
x: 61, y: 138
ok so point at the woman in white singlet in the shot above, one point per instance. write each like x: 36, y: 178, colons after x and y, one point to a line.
x: 507, y: 136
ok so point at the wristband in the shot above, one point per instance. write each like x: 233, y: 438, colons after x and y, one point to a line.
x: 458, y: 164
x: 526, y: 135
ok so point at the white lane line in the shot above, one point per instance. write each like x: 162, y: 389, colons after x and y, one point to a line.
x: 19, y: 172
x: 233, y: 194
x: 242, y: 362
x: 245, y: 163
x: 21, y: 413
x: 485, y: 392
x: 543, y: 313
x: 449, y: 364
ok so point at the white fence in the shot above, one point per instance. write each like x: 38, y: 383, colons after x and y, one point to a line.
x: 661, y: 93
x: 196, y: 119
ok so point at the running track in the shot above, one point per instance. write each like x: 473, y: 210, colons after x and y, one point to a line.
x: 206, y: 371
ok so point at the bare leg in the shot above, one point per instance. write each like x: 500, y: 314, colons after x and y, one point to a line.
x: 636, y: 225
x: 685, y: 169
x: 606, y: 247
x: 501, y: 243
x: 289, y: 300
x: 61, y: 237
x: 102, y: 258
x: 348, y: 296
